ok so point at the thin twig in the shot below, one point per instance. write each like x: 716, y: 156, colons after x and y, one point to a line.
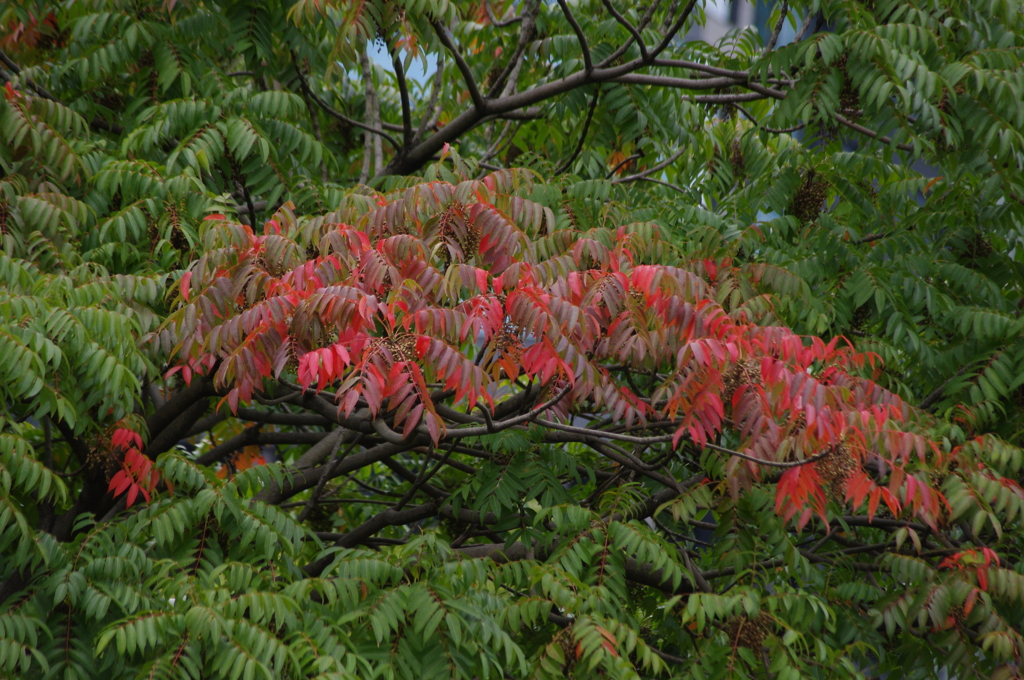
x: 776, y: 131
x: 495, y: 21
x: 422, y: 478
x: 583, y: 135
x: 650, y: 171
x: 622, y: 163
x: 602, y: 434
x: 315, y: 496
x: 328, y: 501
x: 670, y: 32
x: 871, y: 133
x: 662, y: 183
x: 676, y: 27
x: 337, y: 114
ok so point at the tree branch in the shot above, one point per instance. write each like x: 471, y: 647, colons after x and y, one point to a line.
x: 936, y: 394
x: 306, y: 478
x: 161, y: 418
x: 664, y: 184
x: 637, y: 38
x: 588, y: 64
x: 403, y: 90
x: 643, y: 24
x: 871, y: 133
x: 467, y: 74
x: 604, y: 434
x: 622, y: 163
x: 315, y: 496
x: 528, y: 14
x: 389, y: 517
x: 251, y: 436
x: 583, y: 135
x: 770, y: 45
x: 337, y: 114
x: 676, y: 27
x: 434, y: 108
x: 494, y: 20
x: 176, y: 430
x: 650, y: 171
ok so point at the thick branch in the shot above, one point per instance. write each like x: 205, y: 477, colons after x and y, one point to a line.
x: 177, y: 429
x: 588, y: 64
x: 403, y: 90
x: 253, y: 437
x: 364, y: 531
x: 770, y: 45
x: 183, y: 400
x: 302, y: 479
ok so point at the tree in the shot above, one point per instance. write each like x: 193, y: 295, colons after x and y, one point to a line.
x: 523, y: 427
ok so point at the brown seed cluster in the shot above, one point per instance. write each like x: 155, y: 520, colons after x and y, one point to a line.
x: 100, y: 459
x: 320, y: 518
x: 739, y: 165
x: 402, y: 347
x: 849, y: 98
x: 744, y: 373
x: 178, y: 240
x: 502, y: 458
x: 744, y: 631
x: 716, y: 156
x: 507, y: 342
x: 945, y: 101
x: 565, y: 641
x: 458, y: 233
x: 492, y: 75
x: 978, y: 246
x: 861, y: 316
x: 835, y: 470
x: 573, y: 219
x: 806, y: 204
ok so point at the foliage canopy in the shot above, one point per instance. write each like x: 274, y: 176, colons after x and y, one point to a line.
x: 564, y: 344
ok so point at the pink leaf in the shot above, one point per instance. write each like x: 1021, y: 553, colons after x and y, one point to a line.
x: 186, y: 279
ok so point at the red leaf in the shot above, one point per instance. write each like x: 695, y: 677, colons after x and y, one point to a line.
x: 969, y: 602
x: 119, y: 482
x: 351, y: 397
x: 186, y: 279
x: 133, y: 492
